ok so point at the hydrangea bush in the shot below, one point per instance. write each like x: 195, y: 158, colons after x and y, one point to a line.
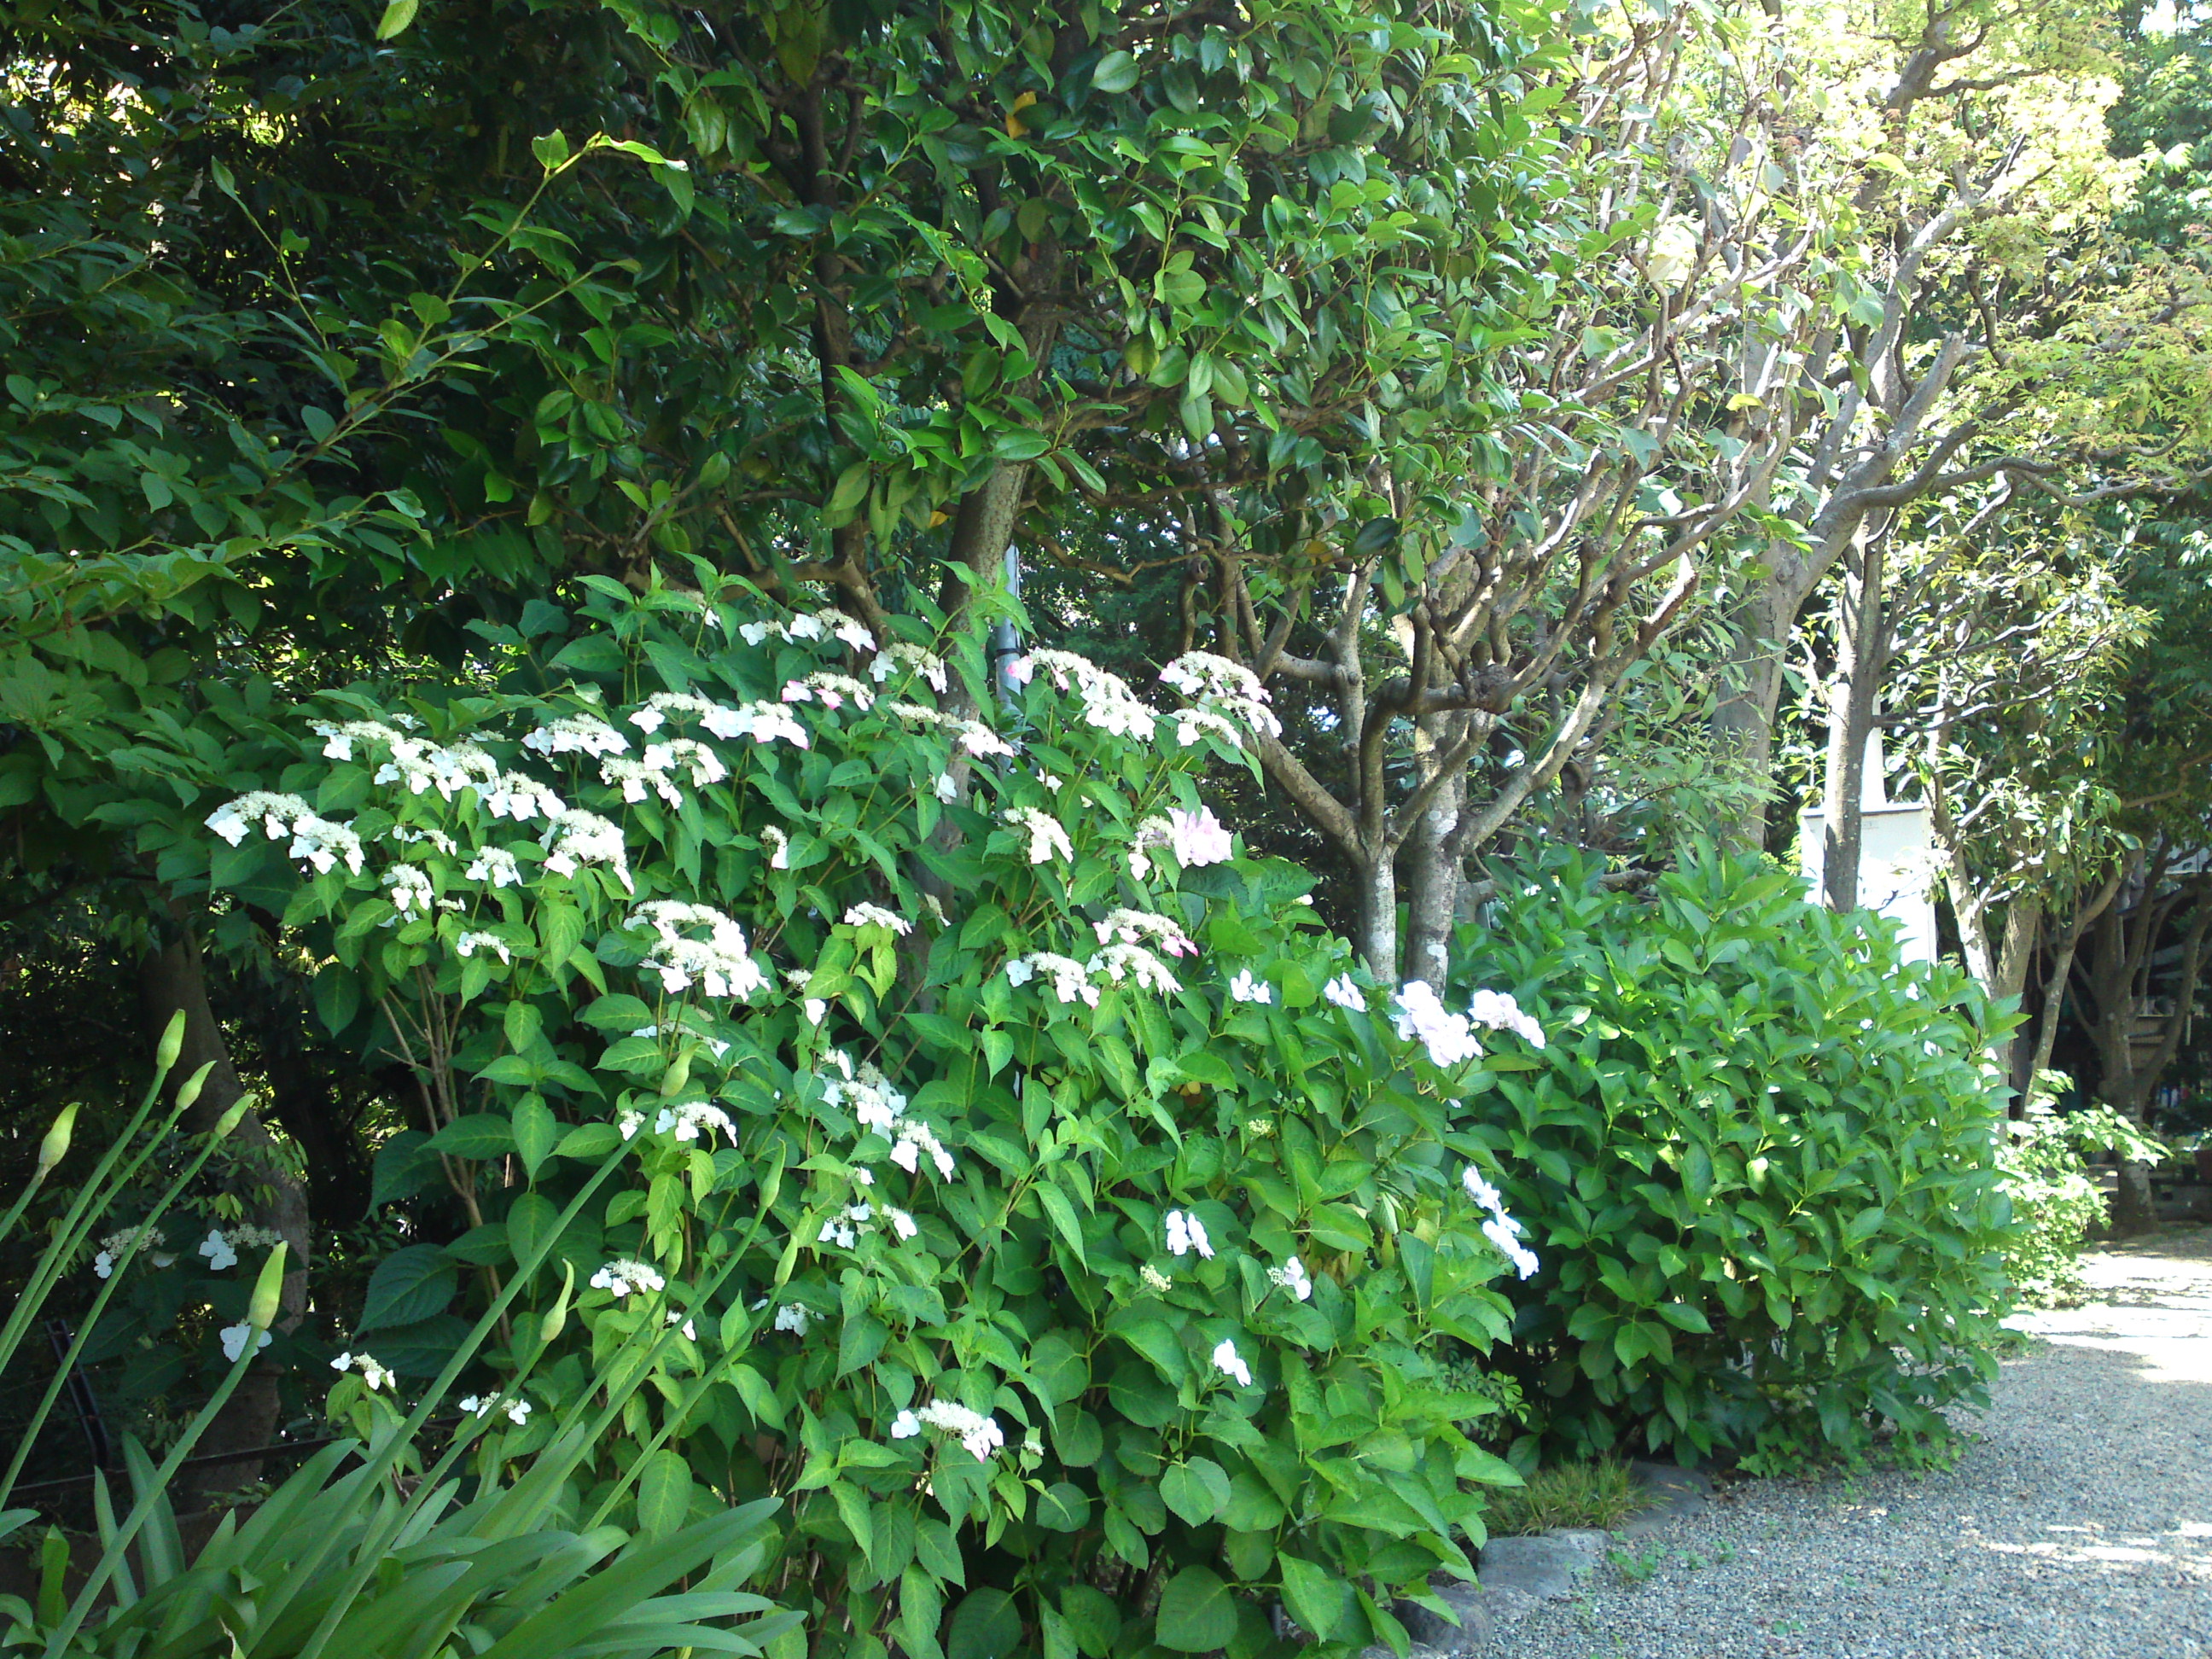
x: 1008, y: 1172
x: 1756, y: 1158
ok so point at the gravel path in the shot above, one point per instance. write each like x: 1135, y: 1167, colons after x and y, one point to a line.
x: 2080, y: 1526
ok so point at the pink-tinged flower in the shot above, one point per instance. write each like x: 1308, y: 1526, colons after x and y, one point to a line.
x: 1197, y: 838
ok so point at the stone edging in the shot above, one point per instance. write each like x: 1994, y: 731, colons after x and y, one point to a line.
x: 1515, y: 1574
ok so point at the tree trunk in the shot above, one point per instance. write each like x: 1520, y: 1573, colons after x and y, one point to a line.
x: 1743, y: 720
x: 2023, y: 930
x: 1378, y: 914
x: 1860, y: 655
x: 1433, y: 880
x: 172, y: 977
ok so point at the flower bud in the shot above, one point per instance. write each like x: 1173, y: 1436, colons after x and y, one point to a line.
x: 172, y: 1044
x: 679, y: 1074
x: 193, y: 1084
x: 56, y: 1146
x: 557, y: 1316
x: 229, y: 1119
x: 268, y: 1291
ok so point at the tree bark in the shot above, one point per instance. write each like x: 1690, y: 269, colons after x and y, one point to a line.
x: 172, y: 978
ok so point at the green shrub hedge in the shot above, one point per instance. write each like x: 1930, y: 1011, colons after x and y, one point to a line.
x: 1756, y: 1160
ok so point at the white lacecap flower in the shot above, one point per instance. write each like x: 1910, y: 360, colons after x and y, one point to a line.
x: 1292, y: 1277
x: 719, y: 963
x: 1344, y: 991
x: 763, y: 722
x: 233, y: 1337
x: 1479, y: 1189
x: 905, y: 1427
x: 573, y: 839
x: 469, y: 944
x: 778, y: 846
x: 1047, y: 839
x: 621, y: 1276
x: 577, y: 734
x: 945, y: 789
x: 1501, y: 1228
x: 1497, y: 1011
x: 793, y: 1318
x: 1186, y: 1233
x: 628, y: 1123
x: 373, y: 1374
x: 980, y: 1434
x: 1230, y: 1365
x: 685, y: 1121
x: 677, y: 1316
x: 219, y: 1251
x: 1247, y: 987
x: 1120, y: 964
x: 1224, y: 691
x: 874, y: 915
x: 1143, y: 927
x: 496, y: 866
x: 1107, y: 702
x: 1448, y: 1038
x: 275, y: 811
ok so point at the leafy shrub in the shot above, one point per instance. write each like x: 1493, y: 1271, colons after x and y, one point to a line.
x: 2046, y: 1176
x: 348, y: 1559
x: 1013, y: 1175
x: 1757, y: 1160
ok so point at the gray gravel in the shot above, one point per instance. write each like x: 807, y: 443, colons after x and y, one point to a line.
x: 2078, y: 1527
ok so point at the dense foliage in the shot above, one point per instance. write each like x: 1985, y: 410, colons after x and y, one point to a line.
x: 2054, y: 1196
x: 1044, y: 1202
x: 1757, y: 1159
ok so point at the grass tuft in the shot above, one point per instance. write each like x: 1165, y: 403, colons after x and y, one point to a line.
x: 1595, y: 1494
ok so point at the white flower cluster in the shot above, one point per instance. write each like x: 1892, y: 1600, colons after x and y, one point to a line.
x: 719, y: 963
x: 1292, y: 1276
x: 1247, y: 987
x: 856, y: 1221
x: 146, y: 1236
x: 1501, y: 1230
x: 576, y: 734
x: 576, y: 838
x: 981, y: 1435
x: 1080, y: 981
x: 1224, y: 691
x: 1108, y: 702
x: 621, y: 1276
x: 881, y: 1107
x: 1142, y: 927
x: 685, y: 1121
x: 792, y: 1317
x: 1196, y: 839
x: 832, y: 691
x: 1186, y: 1234
x: 469, y: 943
x: 423, y: 765
x: 816, y: 625
x: 518, y: 1411
x: 1420, y: 1016
x: 656, y: 770
x: 409, y: 885
x: 914, y: 659
x: 1495, y: 1011
x: 715, y: 1046
x: 971, y: 735
x: 315, y: 841
x: 518, y: 796
x: 1344, y: 991
x: 496, y: 866
x: 778, y: 846
x: 874, y: 915
x: 762, y: 721
x: 1046, y: 837
x: 373, y: 1374
x: 220, y: 1246
x: 654, y: 712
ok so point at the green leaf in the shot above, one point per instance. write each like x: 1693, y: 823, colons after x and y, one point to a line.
x: 589, y: 1141
x: 531, y: 1220
x: 482, y: 1136
x: 1197, y: 1613
x: 1063, y: 1507
x: 1318, y: 1598
x: 1197, y: 1490
x: 535, y: 1133
x: 664, y: 1494
x: 551, y: 148
x: 397, y: 16
x: 409, y: 1286
x: 1117, y: 72
x: 985, y: 1625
